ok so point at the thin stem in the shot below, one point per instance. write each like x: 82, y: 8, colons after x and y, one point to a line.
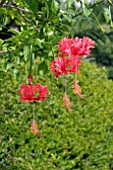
x: 98, y: 23
x: 76, y: 70
x: 33, y: 111
x: 29, y: 21
x: 15, y: 7
x: 30, y: 62
x: 65, y: 84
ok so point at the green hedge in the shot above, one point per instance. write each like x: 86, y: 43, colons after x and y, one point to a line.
x: 81, y: 140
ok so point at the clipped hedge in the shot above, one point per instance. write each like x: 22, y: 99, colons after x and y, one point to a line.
x: 81, y: 140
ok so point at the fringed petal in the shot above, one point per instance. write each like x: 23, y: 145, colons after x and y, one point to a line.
x: 77, y: 89
x: 34, y: 128
x: 67, y: 102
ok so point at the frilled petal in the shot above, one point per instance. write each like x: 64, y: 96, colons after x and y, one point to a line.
x: 65, y: 46
x: 34, y: 128
x: 67, y: 102
x: 82, y: 46
x: 31, y: 93
x: 63, y: 65
x: 79, y: 46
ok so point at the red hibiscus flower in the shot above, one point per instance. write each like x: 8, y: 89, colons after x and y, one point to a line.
x: 63, y: 65
x: 31, y: 93
x: 65, y: 46
x: 82, y: 46
x: 78, y: 46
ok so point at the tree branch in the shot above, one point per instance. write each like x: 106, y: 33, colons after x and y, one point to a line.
x: 29, y: 21
x: 16, y: 7
x: 20, y: 10
x: 96, y: 4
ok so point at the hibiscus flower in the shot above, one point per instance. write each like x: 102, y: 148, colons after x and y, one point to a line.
x: 31, y: 93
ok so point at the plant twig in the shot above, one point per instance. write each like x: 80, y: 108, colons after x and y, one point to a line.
x: 16, y: 7
x: 29, y: 21
x: 20, y: 10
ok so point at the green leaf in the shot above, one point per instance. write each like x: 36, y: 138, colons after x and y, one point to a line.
x: 43, y: 67
x: 2, y: 10
x: 110, y: 2
x: 26, y: 52
x: 54, y: 19
x: 1, y: 42
x: 8, y: 66
x: 16, y: 32
x: 47, y: 8
x: 32, y: 5
x: 107, y: 14
x: 55, y: 7
x: 87, y: 12
x: 39, y: 42
x: 16, y: 71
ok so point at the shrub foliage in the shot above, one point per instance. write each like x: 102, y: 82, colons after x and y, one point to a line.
x: 79, y: 140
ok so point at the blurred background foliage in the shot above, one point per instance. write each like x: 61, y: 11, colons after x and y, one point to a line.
x: 29, y: 33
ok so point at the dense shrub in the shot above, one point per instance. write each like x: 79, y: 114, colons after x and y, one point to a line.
x: 80, y: 140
